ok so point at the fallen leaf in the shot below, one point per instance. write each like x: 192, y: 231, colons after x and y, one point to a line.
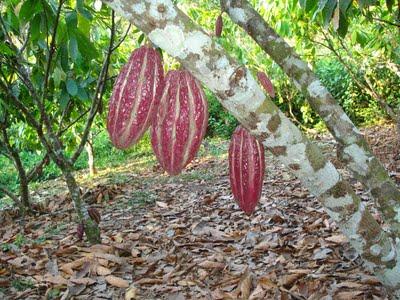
x: 117, y: 281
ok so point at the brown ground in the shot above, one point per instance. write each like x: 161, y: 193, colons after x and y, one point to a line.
x: 185, y: 238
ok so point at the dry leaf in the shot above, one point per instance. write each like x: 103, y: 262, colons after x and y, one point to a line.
x: 117, y: 281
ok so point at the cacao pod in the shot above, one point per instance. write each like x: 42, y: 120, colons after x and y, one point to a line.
x: 266, y: 83
x: 246, y: 169
x: 180, y: 122
x: 80, y: 230
x: 135, y: 97
x: 94, y: 214
x: 218, y: 26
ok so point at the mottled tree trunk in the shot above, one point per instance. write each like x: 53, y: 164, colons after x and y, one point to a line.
x: 356, y: 153
x: 92, y: 231
x: 169, y: 28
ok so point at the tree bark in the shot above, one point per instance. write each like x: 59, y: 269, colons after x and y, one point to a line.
x: 92, y: 231
x: 356, y: 153
x: 170, y: 29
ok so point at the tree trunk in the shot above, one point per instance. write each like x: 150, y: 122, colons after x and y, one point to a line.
x: 170, y: 29
x: 92, y: 231
x: 356, y: 153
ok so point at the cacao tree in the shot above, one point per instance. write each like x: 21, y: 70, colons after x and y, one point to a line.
x: 64, y: 86
x: 170, y: 29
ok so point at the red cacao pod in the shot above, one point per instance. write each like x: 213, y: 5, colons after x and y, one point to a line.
x: 246, y: 169
x: 180, y: 122
x: 135, y: 97
x: 266, y: 83
x: 94, y: 214
x: 218, y: 26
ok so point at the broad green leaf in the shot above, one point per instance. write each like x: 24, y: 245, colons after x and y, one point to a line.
x: 73, y: 48
x: 85, y: 46
x: 327, y: 11
x: 82, y: 10
x: 35, y: 27
x: 72, y: 87
x: 82, y: 94
x: 343, y: 25
x: 64, y: 98
x: 5, y: 49
x: 72, y: 21
x: 12, y: 20
x: 64, y: 58
x: 29, y: 9
x: 58, y: 76
x: 344, y: 5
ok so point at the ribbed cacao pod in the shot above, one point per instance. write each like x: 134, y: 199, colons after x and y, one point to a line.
x: 246, y: 169
x: 80, y: 230
x: 94, y: 214
x: 135, y: 97
x: 266, y: 83
x: 180, y: 122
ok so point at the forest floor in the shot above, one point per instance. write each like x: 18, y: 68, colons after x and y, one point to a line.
x: 184, y: 237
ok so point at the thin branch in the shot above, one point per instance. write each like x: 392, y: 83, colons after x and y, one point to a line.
x: 10, y: 194
x: 73, y: 122
x: 98, y: 95
x: 122, y: 39
x: 386, y: 22
x: 38, y: 168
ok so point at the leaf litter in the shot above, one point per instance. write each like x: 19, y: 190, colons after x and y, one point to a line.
x: 184, y: 237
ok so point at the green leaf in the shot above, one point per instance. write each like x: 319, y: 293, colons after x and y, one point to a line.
x: 73, y: 48
x: 327, y: 11
x: 140, y: 39
x: 85, y: 46
x: 64, y: 98
x: 344, y: 5
x: 5, y: 49
x: 58, y: 76
x: 64, y: 58
x: 35, y: 27
x: 82, y: 94
x: 72, y: 87
x: 29, y: 9
x: 343, y: 25
x: 82, y: 10
x: 72, y: 21
x: 308, y: 5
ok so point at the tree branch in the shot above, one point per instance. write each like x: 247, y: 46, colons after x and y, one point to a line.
x: 122, y: 38
x: 10, y: 194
